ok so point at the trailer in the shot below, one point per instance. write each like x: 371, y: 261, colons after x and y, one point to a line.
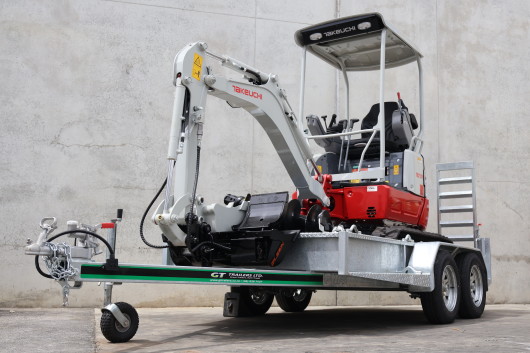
x: 357, y: 220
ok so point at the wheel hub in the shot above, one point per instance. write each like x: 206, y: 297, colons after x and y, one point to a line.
x: 258, y: 296
x: 449, y: 288
x: 125, y: 327
x: 476, y: 285
x: 299, y: 295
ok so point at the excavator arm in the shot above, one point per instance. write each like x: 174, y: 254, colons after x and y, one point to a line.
x: 263, y: 98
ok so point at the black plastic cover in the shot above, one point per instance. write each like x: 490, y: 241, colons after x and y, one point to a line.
x: 338, y: 29
x: 264, y: 209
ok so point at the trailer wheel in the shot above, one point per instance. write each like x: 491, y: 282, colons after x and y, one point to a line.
x: 113, y: 330
x: 441, y: 305
x: 254, y: 301
x: 473, y: 275
x: 295, y: 300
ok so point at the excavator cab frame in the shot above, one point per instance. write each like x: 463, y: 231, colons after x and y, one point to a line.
x: 370, y: 175
x: 360, y: 43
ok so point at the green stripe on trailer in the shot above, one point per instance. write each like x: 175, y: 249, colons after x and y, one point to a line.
x: 165, y: 268
x: 198, y: 275
x: 199, y: 280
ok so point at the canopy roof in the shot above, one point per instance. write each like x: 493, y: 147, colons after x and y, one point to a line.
x: 354, y: 43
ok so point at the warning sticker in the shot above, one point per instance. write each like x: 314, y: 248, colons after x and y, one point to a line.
x: 197, y: 67
x: 357, y: 181
x: 396, y: 169
x: 371, y: 188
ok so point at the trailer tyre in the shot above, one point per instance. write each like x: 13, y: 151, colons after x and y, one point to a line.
x: 295, y: 300
x: 113, y: 330
x: 442, y: 304
x: 254, y: 301
x: 474, y: 286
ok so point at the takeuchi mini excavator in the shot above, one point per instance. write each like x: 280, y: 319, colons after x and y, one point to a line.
x: 355, y: 220
x: 361, y: 180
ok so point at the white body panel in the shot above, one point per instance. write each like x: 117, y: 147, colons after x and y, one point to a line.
x: 266, y: 102
x: 413, y: 178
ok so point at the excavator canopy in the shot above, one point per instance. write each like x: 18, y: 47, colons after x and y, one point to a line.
x: 354, y: 43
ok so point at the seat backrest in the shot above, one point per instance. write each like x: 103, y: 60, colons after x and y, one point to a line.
x: 399, y: 126
x: 402, y: 129
x: 370, y: 120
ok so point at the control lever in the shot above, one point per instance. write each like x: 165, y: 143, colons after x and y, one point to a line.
x: 324, y: 117
x: 400, y: 106
x: 400, y: 102
x: 333, y: 120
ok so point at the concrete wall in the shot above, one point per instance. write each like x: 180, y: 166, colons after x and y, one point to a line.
x: 86, y: 100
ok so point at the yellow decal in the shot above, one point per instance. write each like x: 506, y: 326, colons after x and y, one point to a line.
x: 357, y: 181
x: 197, y: 67
x: 396, y: 169
x: 319, y: 167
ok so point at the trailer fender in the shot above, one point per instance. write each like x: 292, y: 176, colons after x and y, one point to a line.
x: 422, y: 261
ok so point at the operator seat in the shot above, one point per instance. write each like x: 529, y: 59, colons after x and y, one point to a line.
x: 398, y: 131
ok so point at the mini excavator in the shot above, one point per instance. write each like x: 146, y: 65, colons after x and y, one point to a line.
x: 371, y: 178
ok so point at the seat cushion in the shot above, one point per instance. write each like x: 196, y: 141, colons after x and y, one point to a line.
x: 357, y: 147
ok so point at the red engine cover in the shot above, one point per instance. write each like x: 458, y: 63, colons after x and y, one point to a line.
x: 375, y: 202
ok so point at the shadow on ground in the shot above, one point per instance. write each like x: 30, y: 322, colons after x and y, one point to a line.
x: 315, y: 330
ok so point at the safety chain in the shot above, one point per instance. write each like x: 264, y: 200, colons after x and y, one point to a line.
x: 60, y: 268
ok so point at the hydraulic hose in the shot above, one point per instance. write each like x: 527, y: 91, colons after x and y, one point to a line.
x: 189, y: 218
x: 196, y: 180
x: 111, y: 250
x: 44, y: 274
x: 145, y: 215
x: 39, y: 270
x: 194, y: 195
x: 158, y: 194
x: 220, y: 246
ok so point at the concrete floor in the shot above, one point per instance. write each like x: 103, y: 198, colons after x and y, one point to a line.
x: 47, y: 330
x: 503, y: 328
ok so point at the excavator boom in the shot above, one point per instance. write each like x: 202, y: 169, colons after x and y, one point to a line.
x: 263, y: 98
